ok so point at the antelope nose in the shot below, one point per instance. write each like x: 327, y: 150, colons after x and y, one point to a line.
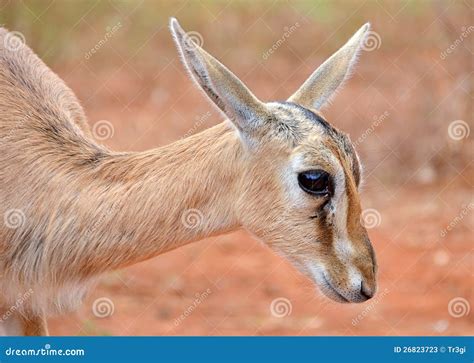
x: 366, y: 291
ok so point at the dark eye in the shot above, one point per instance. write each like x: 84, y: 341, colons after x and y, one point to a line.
x: 316, y: 182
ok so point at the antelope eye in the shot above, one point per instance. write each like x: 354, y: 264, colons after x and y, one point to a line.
x: 316, y: 182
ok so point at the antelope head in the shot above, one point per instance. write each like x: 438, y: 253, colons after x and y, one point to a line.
x: 298, y: 189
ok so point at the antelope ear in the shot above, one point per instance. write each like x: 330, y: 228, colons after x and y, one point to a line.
x: 318, y: 89
x: 222, y: 87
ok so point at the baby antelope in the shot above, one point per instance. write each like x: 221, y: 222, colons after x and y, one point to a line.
x: 277, y: 169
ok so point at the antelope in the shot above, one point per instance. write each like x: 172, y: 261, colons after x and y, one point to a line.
x: 276, y: 169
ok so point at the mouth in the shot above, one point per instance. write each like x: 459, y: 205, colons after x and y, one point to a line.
x: 326, y: 287
x: 331, y: 292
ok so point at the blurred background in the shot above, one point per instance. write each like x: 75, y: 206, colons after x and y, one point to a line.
x: 408, y: 109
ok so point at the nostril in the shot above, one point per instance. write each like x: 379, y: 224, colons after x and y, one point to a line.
x: 366, y: 292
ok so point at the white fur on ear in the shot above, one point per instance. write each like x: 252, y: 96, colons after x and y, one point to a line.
x: 323, y: 84
x: 221, y: 86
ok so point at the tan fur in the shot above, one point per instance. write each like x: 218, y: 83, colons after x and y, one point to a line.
x: 319, y: 88
x: 88, y: 210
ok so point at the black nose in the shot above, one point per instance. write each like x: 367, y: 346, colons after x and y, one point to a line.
x: 365, y: 291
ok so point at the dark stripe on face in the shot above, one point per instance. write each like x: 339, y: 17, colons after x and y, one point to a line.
x: 355, y: 166
x: 340, y: 138
x: 312, y: 116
